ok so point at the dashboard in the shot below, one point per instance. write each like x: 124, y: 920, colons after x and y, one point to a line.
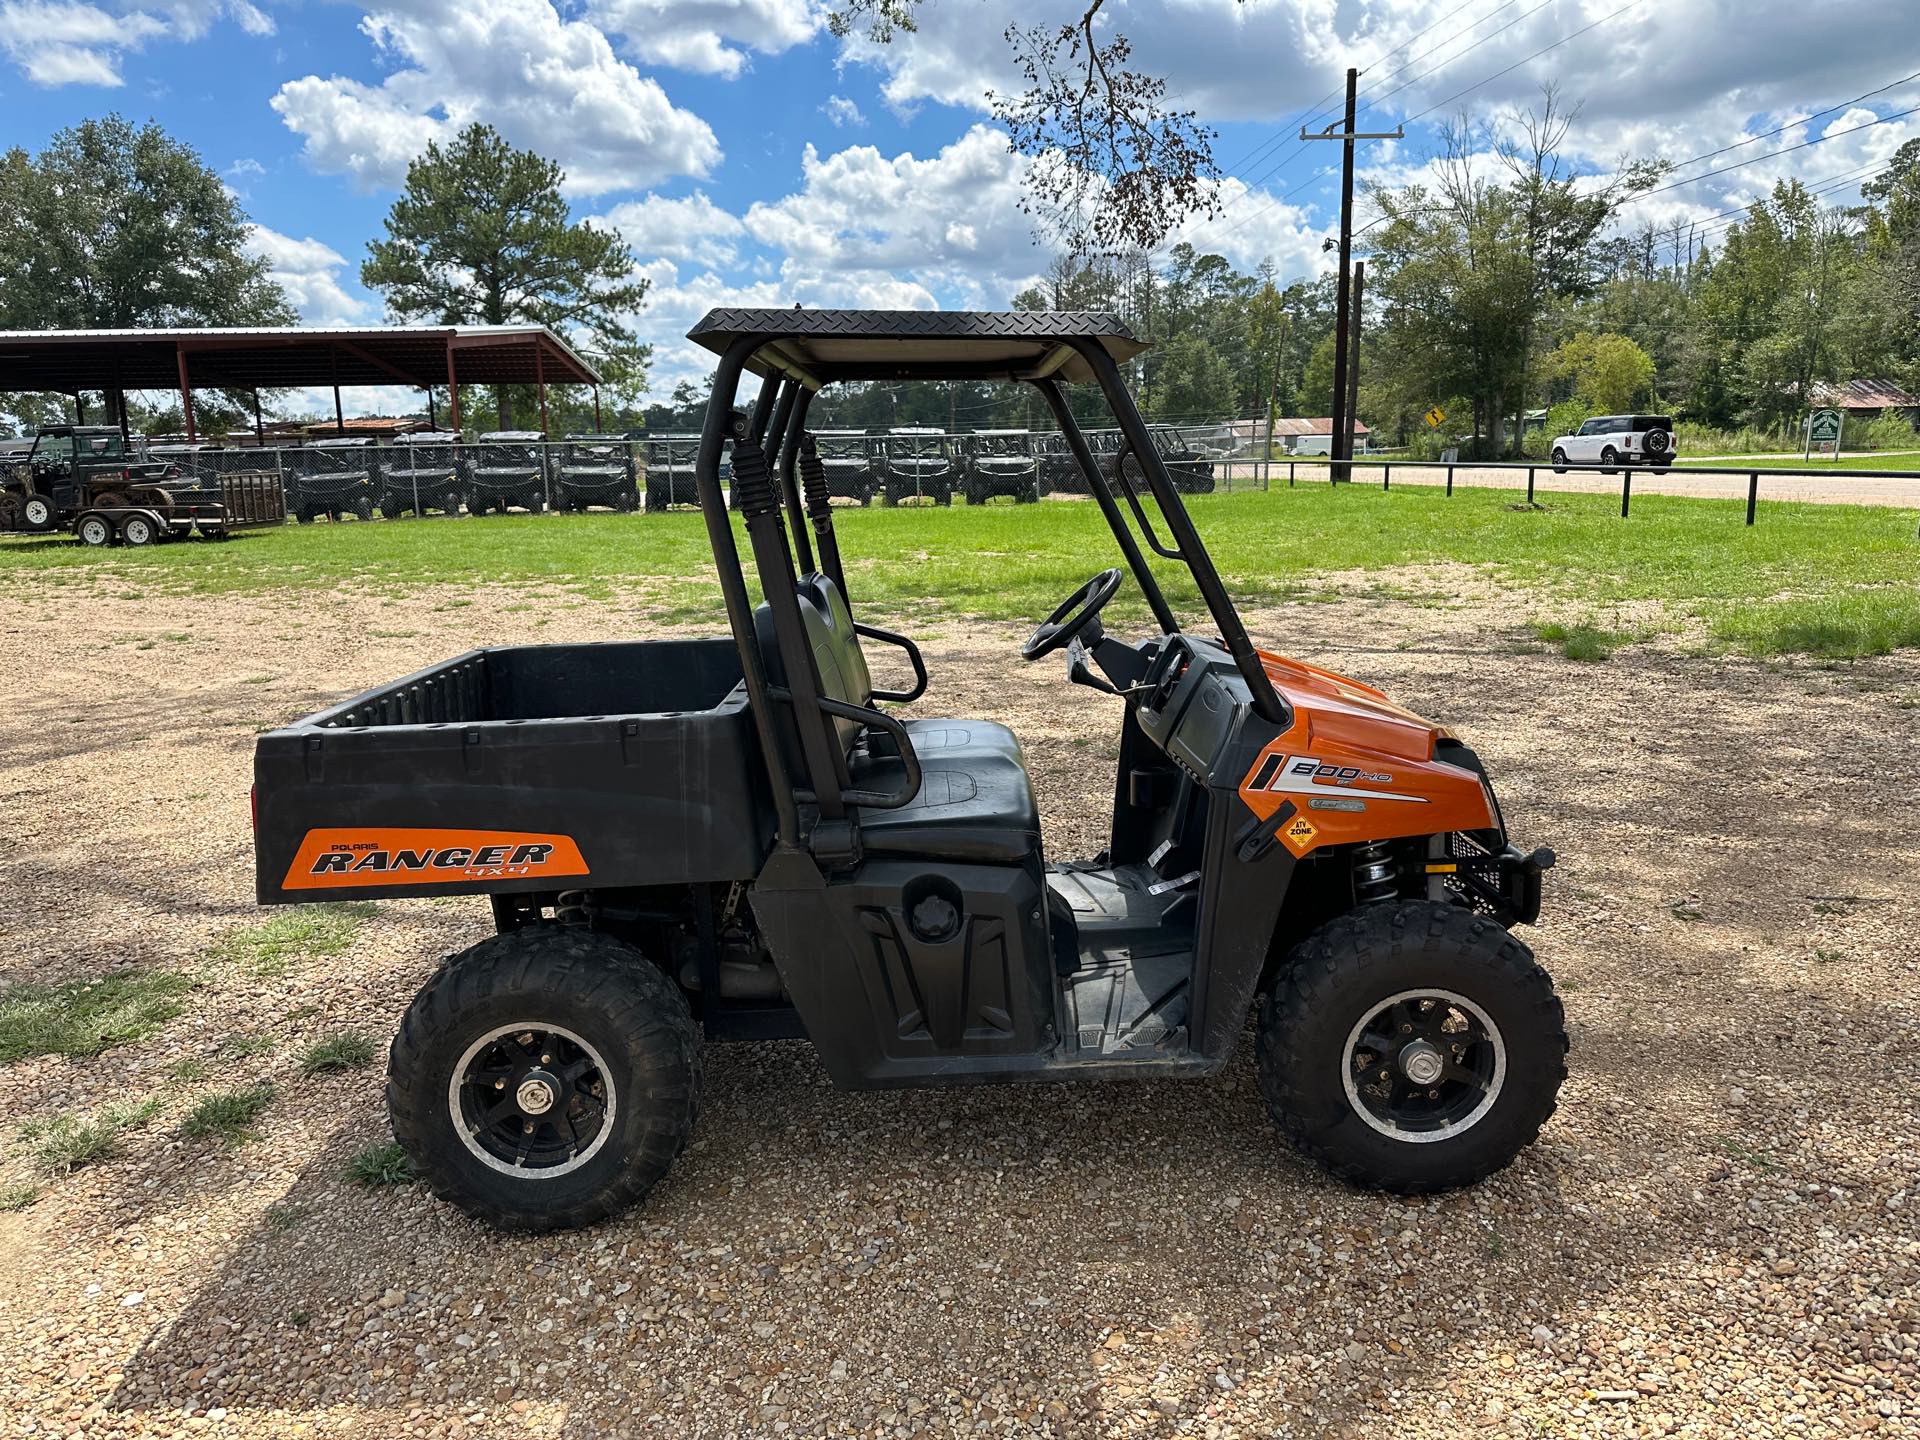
x: 1188, y: 701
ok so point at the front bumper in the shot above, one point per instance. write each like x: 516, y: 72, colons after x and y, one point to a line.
x: 1503, y: 883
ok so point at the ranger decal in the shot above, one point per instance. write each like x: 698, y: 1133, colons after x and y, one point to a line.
x: 346, y: 858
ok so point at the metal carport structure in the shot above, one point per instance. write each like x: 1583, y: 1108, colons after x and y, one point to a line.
x: 419, y: 356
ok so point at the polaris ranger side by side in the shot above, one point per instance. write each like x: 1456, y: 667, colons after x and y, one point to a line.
x: 917, y: 463
x: 1001, y: 462
x: 696, y: 840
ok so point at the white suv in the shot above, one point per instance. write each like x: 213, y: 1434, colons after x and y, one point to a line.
x: 1612, y: 440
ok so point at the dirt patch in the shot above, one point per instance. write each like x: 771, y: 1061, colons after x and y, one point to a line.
x: 1716, y: 1235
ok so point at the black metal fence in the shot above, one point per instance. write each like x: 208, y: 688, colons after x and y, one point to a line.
x: 1343, y: 472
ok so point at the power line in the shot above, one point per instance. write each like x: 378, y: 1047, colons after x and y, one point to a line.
x: 1442, y: 104
x: 1428, y: 74
x: 1320, y: 106
x: 1755, y: 139
x: 1784, y: 150
x: 1294, y: 154
x: 1451, y: 98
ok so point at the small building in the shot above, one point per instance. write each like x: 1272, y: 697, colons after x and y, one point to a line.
x: 1303, y: 435
x: 1866, y: 399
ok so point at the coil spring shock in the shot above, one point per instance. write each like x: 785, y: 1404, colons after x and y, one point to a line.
x: 570, y: 907
x: 1374, y: 875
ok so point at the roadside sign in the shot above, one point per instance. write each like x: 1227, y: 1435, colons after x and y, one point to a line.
x: 1823, y: 433
x: 1436, y: 417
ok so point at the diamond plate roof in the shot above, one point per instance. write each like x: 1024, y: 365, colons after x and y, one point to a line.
x: 819, y: 346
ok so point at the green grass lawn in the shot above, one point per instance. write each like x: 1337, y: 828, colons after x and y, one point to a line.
x: 1016, y: 563
x: 1907, y: 463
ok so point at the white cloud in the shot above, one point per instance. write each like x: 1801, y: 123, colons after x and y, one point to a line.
x: 694, y: 34
x: 550, y: 84
x: 63, y: 42
x: 690, y: 229
x: 309, y: 271
x: 190, y: 19
x: 875, y: 231
x: 72, y: 42
x: 842, y: 112
x: 1682, y: 77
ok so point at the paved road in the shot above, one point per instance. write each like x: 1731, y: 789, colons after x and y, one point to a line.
x: 1839, y: 488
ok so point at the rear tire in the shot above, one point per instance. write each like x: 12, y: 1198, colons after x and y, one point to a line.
x: 1413, y: 984
x: 1609, y: 458
x: 138, y: 530
x: 95, y: 530
x: 613, y: 1072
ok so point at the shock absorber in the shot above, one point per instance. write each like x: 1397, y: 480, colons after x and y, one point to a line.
x: 1374, y: 876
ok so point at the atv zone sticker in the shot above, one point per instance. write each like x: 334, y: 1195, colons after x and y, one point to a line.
x: 345, y: 859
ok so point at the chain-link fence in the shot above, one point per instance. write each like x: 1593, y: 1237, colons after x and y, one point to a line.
x: 440, y: 473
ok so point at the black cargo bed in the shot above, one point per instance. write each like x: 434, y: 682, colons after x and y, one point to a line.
x: 533, y: 769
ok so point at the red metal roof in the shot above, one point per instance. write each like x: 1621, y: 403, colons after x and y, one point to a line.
x: 249, y: 358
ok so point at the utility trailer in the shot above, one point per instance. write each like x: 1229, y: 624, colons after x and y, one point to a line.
x: 67, y: 469
x: 1001, y: 462
x: 918, y: 463
x: 332, y: 479
x: 420, y: 473
x: 729, y: 839
x: 669, y: 470
x: 595, y: 470
x: 214, y: 509
x: 507, y: 470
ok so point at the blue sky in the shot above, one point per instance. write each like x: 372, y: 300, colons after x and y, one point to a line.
x: 749, y: 156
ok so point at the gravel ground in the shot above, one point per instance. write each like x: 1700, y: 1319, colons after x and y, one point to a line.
x: 1718, y: 1234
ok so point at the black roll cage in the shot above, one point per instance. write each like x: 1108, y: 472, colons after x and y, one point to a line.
x: 794, y: 483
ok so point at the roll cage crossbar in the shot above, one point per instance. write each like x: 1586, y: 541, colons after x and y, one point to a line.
x: 776, y: 469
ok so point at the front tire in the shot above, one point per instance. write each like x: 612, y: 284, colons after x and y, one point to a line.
x: 37, y: 513
x: 95, y: 530
x: 545, y: 1079
x: 1412, y: 1047
x: 1559, y: 461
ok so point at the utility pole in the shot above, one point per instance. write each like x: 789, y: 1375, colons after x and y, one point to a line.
x: 1342, y: 438
x: 1352, y: 386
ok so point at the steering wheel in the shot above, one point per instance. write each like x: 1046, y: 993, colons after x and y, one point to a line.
x: 1074, y: 614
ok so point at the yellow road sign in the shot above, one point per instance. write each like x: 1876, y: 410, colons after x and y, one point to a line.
x: 1436, y: 417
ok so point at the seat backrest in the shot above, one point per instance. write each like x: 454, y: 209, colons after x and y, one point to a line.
x: 837, y: 657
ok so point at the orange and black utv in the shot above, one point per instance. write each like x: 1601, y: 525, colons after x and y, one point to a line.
x: 748, y: 838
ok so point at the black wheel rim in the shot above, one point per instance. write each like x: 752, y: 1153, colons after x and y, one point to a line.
x: 1424, y: 1065
x: 533, y: 1100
